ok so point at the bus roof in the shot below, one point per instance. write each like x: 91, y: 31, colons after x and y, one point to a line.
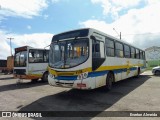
x: 100, y: 33
x: 24, y: 48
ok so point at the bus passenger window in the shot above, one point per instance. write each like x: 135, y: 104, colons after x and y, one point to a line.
x: 35, y: 56
x: 133, y: 52
x: 46, y: 56
x: 141, y: 54
x: 126, y: 51
x: 119, y: 49
x: 109, y: 47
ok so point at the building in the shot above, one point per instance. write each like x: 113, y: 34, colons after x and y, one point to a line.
x: 153, y: 56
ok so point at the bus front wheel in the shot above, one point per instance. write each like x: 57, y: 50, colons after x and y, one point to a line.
x: 109, y: 80
x: 34, y: 80
x: 45, y: 77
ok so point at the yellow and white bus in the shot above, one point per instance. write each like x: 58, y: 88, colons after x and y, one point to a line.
x: 88, y: 59
x: 31, y: 63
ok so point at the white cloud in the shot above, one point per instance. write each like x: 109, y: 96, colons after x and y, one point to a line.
x: 22, y: 8
x: 113, y: 7
x: 151, y: 1
x: 136, y: 21
x: 4, y: 46
x: 37, y: 40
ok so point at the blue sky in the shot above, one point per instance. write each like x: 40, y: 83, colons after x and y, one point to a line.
x: 34, y: 22
x: 57, y: 17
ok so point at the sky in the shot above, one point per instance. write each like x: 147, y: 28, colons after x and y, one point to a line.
x: 34, y: 22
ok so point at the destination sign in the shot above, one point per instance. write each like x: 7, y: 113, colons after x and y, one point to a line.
x: 71, y: 34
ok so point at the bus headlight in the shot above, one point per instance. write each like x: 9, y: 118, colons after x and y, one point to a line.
x: 85, y: 75
x: 82, y: 76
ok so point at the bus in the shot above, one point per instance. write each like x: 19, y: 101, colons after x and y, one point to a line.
x: 88, y: 59
x: 31, y: 63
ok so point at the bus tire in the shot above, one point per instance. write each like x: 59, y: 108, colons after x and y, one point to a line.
x: 45, y: 77
x: 138, y: 72
x: 34, y: 80
x: 109, y: 80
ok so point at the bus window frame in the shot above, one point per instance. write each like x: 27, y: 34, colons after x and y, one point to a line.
x: 107, y: 38
x: 119, y: 49
x: 127, y: 51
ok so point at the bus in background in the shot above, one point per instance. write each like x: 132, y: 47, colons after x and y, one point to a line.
x: 31, y: 63
x: 88, y: 59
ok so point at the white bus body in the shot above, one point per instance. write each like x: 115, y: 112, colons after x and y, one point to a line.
x: 88, y: 59
x: 31, y: 63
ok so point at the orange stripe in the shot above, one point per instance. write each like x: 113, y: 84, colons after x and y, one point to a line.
x: 26, y: 77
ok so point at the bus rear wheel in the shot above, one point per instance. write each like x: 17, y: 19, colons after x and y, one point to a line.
x: 109, y: 80
x: 45, y: 77
x: 138, y: 72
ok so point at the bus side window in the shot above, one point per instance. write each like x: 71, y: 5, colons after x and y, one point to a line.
x: 46, y: 56
x: 109, y: 47
x: 127, y: 51
x: 31, y: 56
x: 119, y: 49
x: 133, y: 52
x: 141, y: 54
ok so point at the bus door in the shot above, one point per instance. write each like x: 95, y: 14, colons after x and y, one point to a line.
x: 98, y: 58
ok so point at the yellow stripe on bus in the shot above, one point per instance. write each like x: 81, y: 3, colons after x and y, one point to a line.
x: 89, y: 69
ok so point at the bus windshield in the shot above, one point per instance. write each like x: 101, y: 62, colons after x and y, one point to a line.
x: 68, y: 53
x: 20, y: 59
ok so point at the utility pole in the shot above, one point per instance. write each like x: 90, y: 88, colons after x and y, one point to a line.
x: 120, y: 36
x: 10, y: 44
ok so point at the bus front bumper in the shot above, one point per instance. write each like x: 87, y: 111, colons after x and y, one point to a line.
x: 88, y: 83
